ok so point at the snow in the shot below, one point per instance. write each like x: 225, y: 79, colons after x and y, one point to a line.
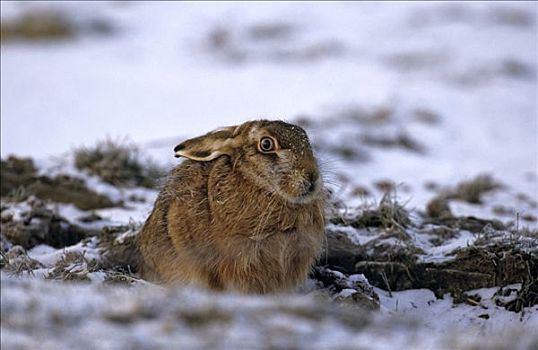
x: 50, y: 256
x: 151, y: 316
x: 356, y: 236
x: 424, y: 307
x: 442, y: 253
x: 156, y: 80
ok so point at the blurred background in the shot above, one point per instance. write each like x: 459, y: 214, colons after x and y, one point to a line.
x: 410, y: 93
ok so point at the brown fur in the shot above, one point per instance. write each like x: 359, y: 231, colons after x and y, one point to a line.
x: 236, y: 218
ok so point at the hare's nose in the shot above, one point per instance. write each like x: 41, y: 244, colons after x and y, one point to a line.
x: 311, y: 182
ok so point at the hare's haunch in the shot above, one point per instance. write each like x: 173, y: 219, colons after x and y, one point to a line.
x: 243, y: 212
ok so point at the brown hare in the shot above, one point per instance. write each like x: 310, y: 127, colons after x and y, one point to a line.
x: 244, y: 212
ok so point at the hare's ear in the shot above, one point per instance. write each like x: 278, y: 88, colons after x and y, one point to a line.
x: 209, y: 146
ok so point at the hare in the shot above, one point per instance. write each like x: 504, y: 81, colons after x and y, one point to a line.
x: 244, y: 212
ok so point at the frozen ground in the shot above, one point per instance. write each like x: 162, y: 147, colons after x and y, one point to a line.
x: 35, y: 314
x: 417, y: 95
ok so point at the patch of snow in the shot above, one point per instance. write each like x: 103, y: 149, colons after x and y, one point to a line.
x: 49, y: 256
x: 41, y: 249
x: 129, y: 233
x: 442, y: 252
x: 357, y: 236
x: 344, y: 293
x: 444, y: 317
x: 190, y: 318
x: 358, y: 278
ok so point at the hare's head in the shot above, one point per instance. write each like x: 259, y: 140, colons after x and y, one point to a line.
x: 273, y: 154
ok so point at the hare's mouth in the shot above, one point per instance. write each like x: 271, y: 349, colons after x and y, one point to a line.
x: 311, y: 190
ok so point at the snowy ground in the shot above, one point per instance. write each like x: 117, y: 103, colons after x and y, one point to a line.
x: 35, y: 314
x: 420, y: 95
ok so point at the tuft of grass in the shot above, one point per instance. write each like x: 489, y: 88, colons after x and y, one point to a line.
x: 503, y: 210
x: 17, y: 262
x: 527, y: 296
x: 119, y: 164
x: 267, y: 42
x: 360, y: 191
x: 471, y: 191
x: 40, y: 25
x: 73, y: 266
x: 271, y: 31
x: 20, y: 181
x: 513, y: 17
x: 15, y: 173
x: 528, y: 217
x: 402, y: 140
x: 203, y: 317
x: 349, y: 153
x: 527, y: 232
x: 438, y: 208
x: 389, y: 215
x: 415, y: 60
x: 68, y: 189
x: 120, y: 277
x: 385, y: 185
x: 129, y: 315
x: 51, y: 25
x: 376, y: 117
x: 426, y: 116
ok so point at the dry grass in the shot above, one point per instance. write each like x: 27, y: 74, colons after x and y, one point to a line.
x: 119, y: 164
x: 267, y: 41
x: 401, y: 140
x: 51, y: 25
x: 389, y: 215
x: 42, y: 25
x: 357, y: 114
x: 498, y: 256
x: 438, y: 208
x: 16, y: 172
x: 73, y: 266
x: 271, y: 31
x: 17, y: 262
x: 121, y: 276
x: 472, y: 190
x: 20, y: 181
x: 68, y: 189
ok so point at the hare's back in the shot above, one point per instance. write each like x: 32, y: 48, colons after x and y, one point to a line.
x: 186, y: 179
x: 188, y: 211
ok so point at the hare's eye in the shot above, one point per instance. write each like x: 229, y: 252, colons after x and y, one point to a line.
x: 267, y: 144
